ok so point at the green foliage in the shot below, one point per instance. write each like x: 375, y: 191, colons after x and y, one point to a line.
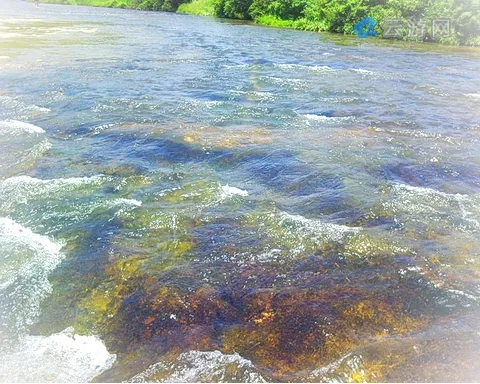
x: 409, y: 8
x: 198, y: 7
x: 92, y: 3
x: 280, y: 9
x: 301, y: 24
x: 342, y: 15
x: 157, y: 5
x: 464, y: 18
x: 233, y: 9
x: 325, y: 15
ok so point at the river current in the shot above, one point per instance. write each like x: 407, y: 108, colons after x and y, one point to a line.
x: 191, y: 199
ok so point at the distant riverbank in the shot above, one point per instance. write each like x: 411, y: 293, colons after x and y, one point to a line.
x: 453, y: 22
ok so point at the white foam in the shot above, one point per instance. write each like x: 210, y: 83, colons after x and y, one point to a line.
x: 420, y: 134
x: 473, y: 95
x: 218, y: 194
x: 21, y: 189
x: 427, y: 205
x: 341, y: 100
x: 125, y: 205
x: 14, y: 20
x: 314, y: 68
x: 14, y: 106
x: 9, y: 35
x: 257, y: 95
x: 464, y: 294
x: 236, y: 66
x: 247, y: 258
x: 37, y: 196
x: 38, y: 150
x: 295, y: 84
x: 349, y: 364
x: 72, y: 29
x: 202, y: 103
x: 300, y: 234
x: 315, y: 227
x: 197, y: 366
x: 26, y: 260
x: 133, y: 202
x: 17, y: 156
x: 15, y: 127
x: 424, y: 191
x: 228, y: 192
x: 362, y: 71
x: 328, y: 119
x: 62, y: 358
x: 70, y: 182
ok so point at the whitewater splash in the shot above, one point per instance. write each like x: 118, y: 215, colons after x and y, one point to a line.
x: 350, y: 364
x: 26, y: 260
x: 302, y: 234
x: 428, y: 136
x: 425, y: 206
x: 289, y: 83
x: 197, y: 366
x: 21, y: 189
x: 473, y: 95
x: 22, y: 143
x: 211, y: 195
x: 36, y: 196
x: 63, y: 357
x: 363, y: 71
x: 15, y: 127
x: 14, y: 106
x: 328, y: 119
x: 313, y: 68
x: 334, y: 232
x: 261, y: 96
x: 227, y: 192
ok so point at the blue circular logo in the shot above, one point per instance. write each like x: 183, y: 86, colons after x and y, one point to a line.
x: 365, y: 27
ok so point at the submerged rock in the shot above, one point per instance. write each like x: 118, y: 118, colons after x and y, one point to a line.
x: 198, y: 366
x: 444, y: 352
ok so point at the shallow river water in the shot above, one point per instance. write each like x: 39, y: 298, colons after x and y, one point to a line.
x: 190, y: 199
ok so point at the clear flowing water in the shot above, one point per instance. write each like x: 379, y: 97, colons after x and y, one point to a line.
x: 190, y: 199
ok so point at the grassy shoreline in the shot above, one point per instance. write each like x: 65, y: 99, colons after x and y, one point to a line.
x: 317, y: 20
x: 93, y: 3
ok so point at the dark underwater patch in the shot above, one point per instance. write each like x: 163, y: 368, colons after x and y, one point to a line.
x: 310, y: 190
x: 148, y: 150
x: 307, y: 189
x: 225, y: 237
x: 433, y: 175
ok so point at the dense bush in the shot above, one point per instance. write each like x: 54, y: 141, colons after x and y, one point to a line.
x: 342, y: 15
x: 232, y: 9
x: 157, y: 5
x: 328, y: 15
x: 281, y: 9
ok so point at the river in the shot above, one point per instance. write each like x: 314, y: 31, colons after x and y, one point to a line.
x: 191, y: 199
